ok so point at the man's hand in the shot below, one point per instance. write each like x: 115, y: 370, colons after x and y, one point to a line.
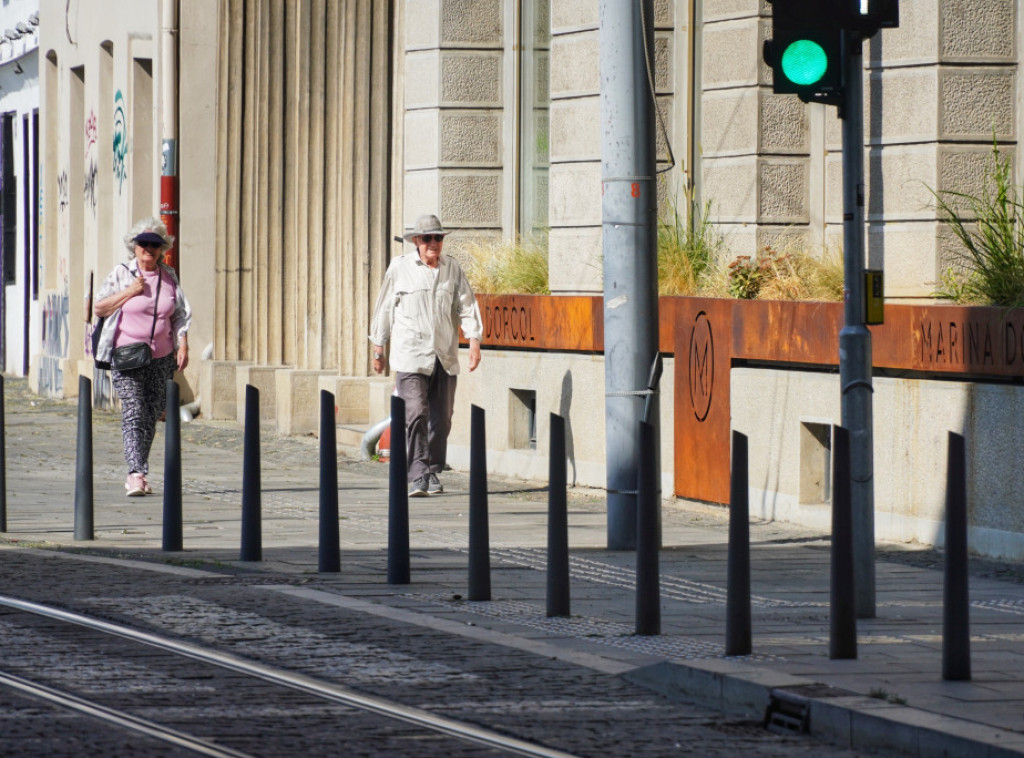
x: 378, y: 359
x: 474, y: 354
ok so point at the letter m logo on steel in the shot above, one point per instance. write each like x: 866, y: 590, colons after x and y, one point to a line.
x: 702, y: 366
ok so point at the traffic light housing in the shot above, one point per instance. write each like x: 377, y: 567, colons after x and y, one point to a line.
x: 805, y: 51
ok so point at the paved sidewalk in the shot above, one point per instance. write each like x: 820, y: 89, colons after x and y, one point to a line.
x: 892, y: 697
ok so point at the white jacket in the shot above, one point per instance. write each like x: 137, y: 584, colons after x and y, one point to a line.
x: 420, y: 312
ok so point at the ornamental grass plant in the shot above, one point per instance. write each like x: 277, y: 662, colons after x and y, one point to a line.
x: 989, y: 267
x: 511, y: 267
x: 688, y: 247
x: 692, y: 261
x: 793, y: 273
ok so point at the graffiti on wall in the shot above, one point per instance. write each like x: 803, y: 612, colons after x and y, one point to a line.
x: 102, y: 389
x: 63, y: 198
x: 120, y: 142
x: 91, y: 137
x: 55, y: 344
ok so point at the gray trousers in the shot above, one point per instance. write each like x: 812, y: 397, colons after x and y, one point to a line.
x: 429, y: 403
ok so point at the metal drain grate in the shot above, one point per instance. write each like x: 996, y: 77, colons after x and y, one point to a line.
x: 787, y: 713
x: 789, y: 708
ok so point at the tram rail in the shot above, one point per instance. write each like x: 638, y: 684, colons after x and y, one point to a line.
x: 307, y: 685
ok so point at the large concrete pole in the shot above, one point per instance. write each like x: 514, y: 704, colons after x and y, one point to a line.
x: 629, y: 239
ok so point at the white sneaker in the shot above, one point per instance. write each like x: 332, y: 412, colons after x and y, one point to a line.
x: 135, y: 485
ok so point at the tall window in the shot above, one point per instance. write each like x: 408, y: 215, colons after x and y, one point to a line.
x: 9, y: 192
x: 534, y: 99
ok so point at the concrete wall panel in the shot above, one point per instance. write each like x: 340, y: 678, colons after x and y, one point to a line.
x: 422, y: 192
x: 469, y: 23
x: 901, y: 104
x: 729, y: 122
x: 720, y: 10
x: 732, y: 186
x: 974, y: 103
x: 422, y: 84
x: 471, y: 79
x: 422, y: 24
x: 421, y: 139
x: 575, y: 135
x: 573, y: 15
x: 910, y: 253
x: 575, y: 194
x: 572, y: 387
x: 977, y: 30
x: 575, y: 65
x: 471, y: 138
x: 784, y: 126
x: 909, y: 453
x: 783, y: 194
x: 741, y: 65
x: 574, y: 260
x: 470, y: 199
x: 915, y: 41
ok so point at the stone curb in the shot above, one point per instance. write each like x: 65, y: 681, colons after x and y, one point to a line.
x: 838, y: 716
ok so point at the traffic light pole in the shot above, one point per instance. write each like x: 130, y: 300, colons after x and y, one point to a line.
x: 854, y: 338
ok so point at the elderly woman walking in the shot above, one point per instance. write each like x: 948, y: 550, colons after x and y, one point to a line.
x: 143, y: 304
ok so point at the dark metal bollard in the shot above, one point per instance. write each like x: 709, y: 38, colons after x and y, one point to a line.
x: 479, y: 537
x: 956, y: 624
x: 3, y: 461
x: 843, y: 603
x: 172, y: 471
x: 558, y: 523
x: 648, y: 588
x: 83, y: 463
x: 398, y: 498
x: 738, y: 632
x: 252, y: 485
x: 330, y: 540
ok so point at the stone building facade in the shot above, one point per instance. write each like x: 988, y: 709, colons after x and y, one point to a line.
x: 311, y: 132
x: 22, y: 312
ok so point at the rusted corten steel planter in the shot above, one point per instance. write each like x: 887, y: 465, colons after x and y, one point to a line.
x: 709, y: 336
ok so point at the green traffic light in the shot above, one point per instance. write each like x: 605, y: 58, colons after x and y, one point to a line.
x: 804, y: 62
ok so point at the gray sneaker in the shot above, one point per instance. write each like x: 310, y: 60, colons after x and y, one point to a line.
x: 418, y: 487
x: 434, y: 485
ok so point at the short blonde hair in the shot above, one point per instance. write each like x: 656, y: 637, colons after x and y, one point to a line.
x: 151, y: 224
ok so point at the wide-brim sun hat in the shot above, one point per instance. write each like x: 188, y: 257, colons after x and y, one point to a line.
x: 425, y: 224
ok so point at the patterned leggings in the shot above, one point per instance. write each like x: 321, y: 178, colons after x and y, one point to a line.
x: 143, y: 393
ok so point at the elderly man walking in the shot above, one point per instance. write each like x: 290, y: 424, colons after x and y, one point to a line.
x: 424, y: 300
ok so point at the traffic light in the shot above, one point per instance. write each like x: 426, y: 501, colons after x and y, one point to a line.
x: 806, y: 48
x: 806, y: 51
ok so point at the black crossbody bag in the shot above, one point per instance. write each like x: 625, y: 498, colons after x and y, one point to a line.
x: 138, y: 354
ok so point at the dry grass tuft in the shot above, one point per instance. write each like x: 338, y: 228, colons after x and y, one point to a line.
x: 506, y: 268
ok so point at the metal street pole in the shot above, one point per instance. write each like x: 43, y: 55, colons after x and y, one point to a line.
x: 854, y: 338
x: 628, y: 214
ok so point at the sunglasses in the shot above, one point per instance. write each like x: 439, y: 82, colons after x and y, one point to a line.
x: 149, y: 245
x: 431, y: 237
